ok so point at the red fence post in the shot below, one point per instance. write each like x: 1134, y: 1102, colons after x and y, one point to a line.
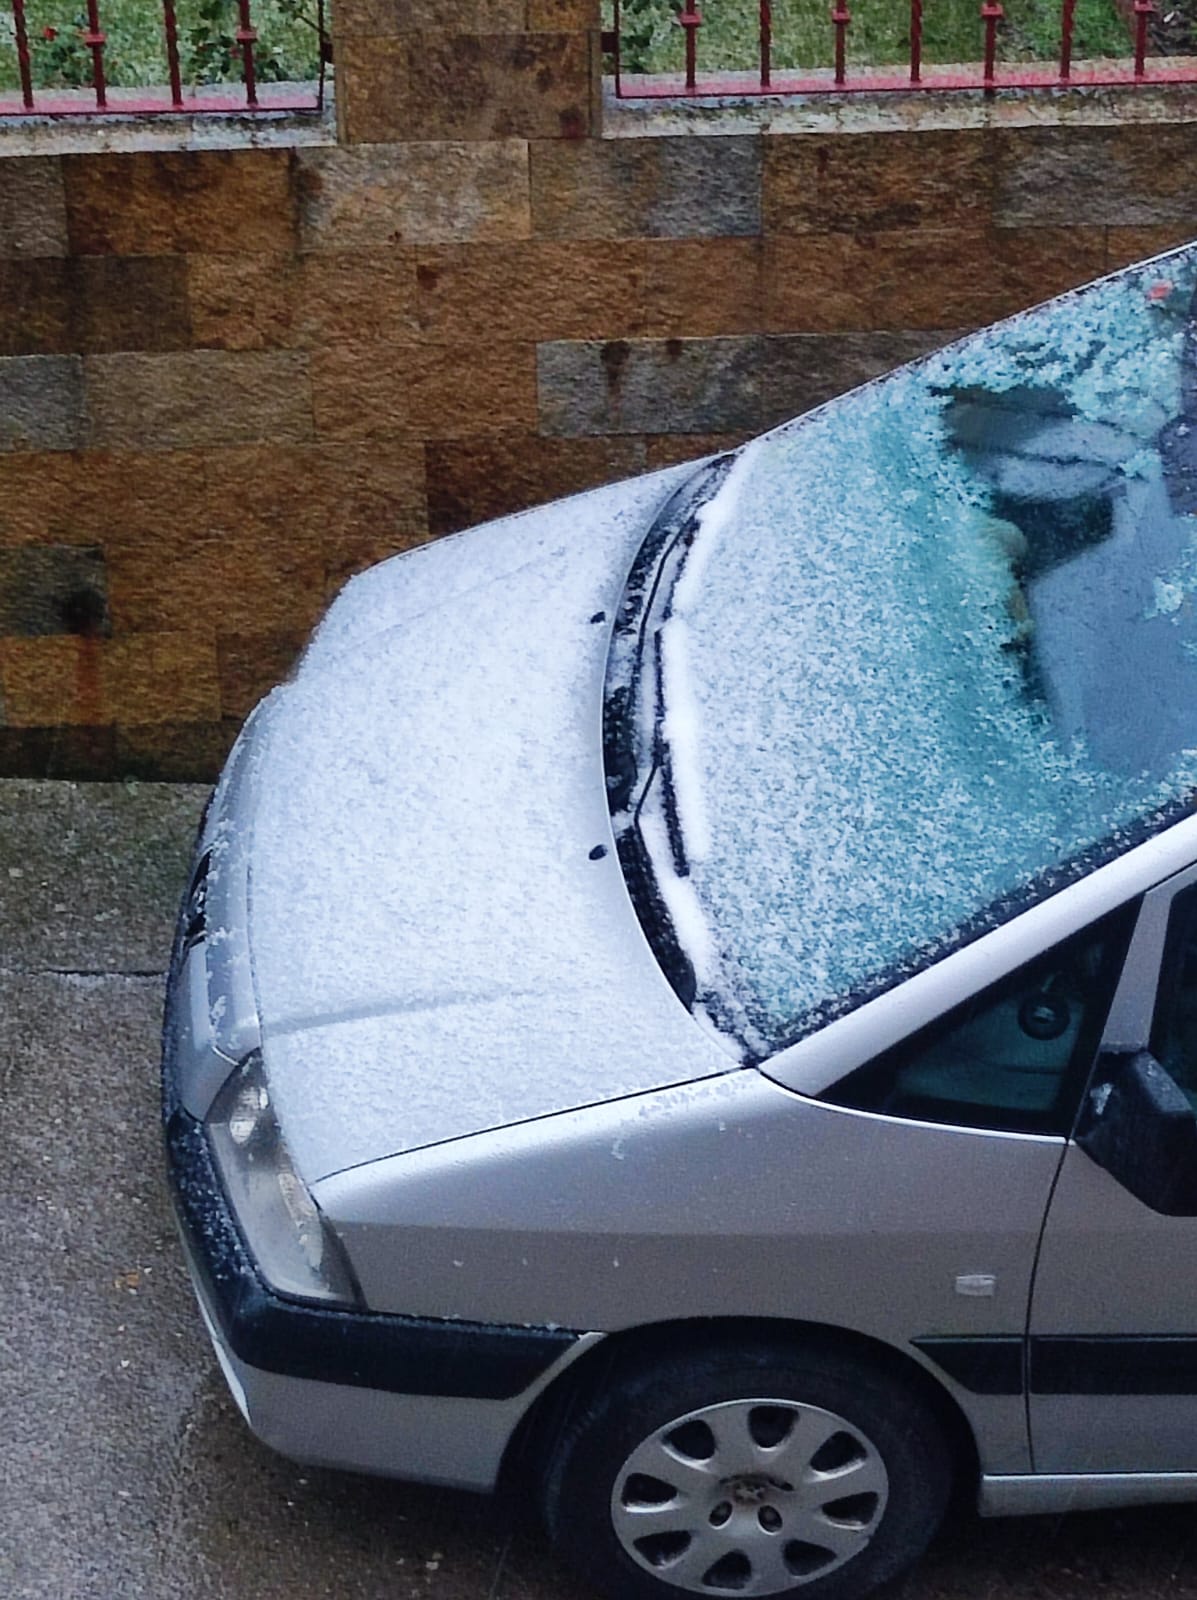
x: 916, y: 40
x: 691, y: 21
x: 991, y: 14
x: 766, y: 43
x: 18, y: 17
x: 1067, y: 18
x: 247, y: 37
x: 1143, y: 9
x: 171, y: 29
x: 841, y: 17
x: 95, y: 40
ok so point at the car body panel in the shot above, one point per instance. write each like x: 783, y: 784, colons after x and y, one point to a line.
x: 1122, y: 1395
x: 729, y: 1198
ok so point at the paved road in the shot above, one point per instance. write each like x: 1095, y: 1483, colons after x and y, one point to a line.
x: 126, y: 1470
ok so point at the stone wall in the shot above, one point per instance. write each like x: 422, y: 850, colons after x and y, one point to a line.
x: 229, y: 379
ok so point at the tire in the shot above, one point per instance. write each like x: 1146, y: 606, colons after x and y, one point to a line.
x: 756, y: 1469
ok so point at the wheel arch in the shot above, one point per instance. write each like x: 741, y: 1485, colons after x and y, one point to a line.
x: 529, y: 1446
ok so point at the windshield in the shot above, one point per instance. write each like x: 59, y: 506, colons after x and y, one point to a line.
x: 917, y: 660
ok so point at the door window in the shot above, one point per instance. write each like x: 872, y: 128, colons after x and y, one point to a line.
x: 1014, y: 1056
x: 1174, y: 1027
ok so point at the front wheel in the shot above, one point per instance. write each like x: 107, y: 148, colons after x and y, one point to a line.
x: 748, y: 1471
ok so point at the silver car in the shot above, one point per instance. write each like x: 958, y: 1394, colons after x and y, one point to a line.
x: 689, y: 996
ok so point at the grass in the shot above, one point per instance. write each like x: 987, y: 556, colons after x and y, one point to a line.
x: 135, y: 54
x: 879, y: 34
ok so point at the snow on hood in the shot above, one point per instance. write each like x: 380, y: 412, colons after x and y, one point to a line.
x: 440, y: 934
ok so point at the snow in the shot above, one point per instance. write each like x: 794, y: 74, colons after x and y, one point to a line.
x: 682, y: 727
x: 932, y: 645
x: 436, y: 949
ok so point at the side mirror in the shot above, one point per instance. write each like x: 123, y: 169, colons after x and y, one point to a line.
x: 1137, y: 1124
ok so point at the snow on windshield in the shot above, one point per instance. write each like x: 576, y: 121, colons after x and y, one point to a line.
x: 937, y: 650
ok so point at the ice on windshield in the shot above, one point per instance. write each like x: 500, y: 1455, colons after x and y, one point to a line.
x: 936, y: 652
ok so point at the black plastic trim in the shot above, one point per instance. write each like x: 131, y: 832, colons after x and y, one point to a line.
x: 1114, y: 1364
x: 981, y: 1364
x: 402, y: 1355
x: 1093, y: 1364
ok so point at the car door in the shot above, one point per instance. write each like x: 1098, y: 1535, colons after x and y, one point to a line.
x: 1112, y: 1352
x: 978, y: 1106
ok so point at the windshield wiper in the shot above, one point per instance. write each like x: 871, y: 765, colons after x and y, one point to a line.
x: 635, y: 749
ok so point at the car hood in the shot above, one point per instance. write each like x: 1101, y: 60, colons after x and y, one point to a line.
x: 440, y: 935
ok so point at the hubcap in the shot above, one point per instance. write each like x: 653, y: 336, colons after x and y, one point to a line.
x: 749, y: 1497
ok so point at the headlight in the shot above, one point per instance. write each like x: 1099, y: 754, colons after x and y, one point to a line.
x: 295, y: 1249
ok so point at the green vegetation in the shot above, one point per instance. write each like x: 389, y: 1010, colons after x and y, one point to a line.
x: 135, y: 55
x: 879, y: 34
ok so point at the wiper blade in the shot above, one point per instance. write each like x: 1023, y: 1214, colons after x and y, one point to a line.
x: 637, y: 754
x: 629, y: 727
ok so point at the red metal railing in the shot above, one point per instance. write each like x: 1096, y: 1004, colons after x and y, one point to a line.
x: 988, y: 75
x: 99, y: 97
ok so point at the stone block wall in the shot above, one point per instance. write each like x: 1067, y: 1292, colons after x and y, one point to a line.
x: 231, y: 378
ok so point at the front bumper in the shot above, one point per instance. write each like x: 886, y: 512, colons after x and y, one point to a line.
x: 406, y: 1396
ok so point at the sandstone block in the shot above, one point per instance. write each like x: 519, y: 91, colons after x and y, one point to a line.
x: 58, y: 752
x: 1124, y: 246
x: 51, y: 681
x: 242, y: 576
x: 382, y: 17
x: 650, y: 386
x: 173, y: 752
x: 530, y: 291
x: 93, y: 303
x: 473, y: 480
x: 1132, y: 175
x: 423, y: 392
x: 41, y: 403
x: 160, y: 677
x: 801, y: 371
x: 877, y: 181
x: 368, y: 502
x: 244, y: 302
x: 699, y: 288
x: 35, y: 308
x: 92, y: 497
x: 48, y: 589
x: 493, y: 86
x: 646, y: 188
x: 571, y: 16
x: 348, y: 504
x: 250, y: 666
x: 670, y: 450
x: 128, y: 303
x: 372, y: 89
x: 368, y: 196
x: 198, y: 398
x: 842, y: 283
x: 271, y: 302
x: 180, y: 202
x: 32, y: 207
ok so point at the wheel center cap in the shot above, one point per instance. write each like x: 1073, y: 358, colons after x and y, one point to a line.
x: 749, y: 1490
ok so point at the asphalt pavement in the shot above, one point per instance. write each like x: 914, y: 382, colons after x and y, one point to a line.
x: 125, y: 1469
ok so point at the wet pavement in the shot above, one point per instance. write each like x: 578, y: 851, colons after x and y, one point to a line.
x: 126, y: 1470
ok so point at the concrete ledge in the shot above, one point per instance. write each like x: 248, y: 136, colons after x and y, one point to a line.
x: 117, y: 131
x: 861, y: 112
